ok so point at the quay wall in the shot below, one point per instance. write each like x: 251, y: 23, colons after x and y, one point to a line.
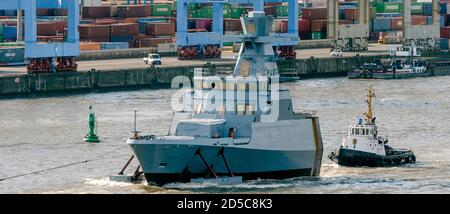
x: 155, y: 78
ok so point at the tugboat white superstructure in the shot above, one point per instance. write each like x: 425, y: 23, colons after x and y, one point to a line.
x: 242, y: 125
x: 364, y: 147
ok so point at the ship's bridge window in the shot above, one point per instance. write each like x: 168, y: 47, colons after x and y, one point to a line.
x: 356, y: 131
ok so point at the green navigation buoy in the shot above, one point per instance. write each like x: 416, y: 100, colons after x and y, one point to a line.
x: 91, y: 137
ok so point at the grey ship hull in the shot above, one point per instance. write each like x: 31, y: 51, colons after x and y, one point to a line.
x: 183, y: 164
x: 176, y: 159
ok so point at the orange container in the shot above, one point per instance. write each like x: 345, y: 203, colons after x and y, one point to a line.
x: 89, y: 46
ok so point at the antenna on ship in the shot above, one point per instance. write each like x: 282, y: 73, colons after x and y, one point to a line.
x: 135, y: 132
x: 369, y: 113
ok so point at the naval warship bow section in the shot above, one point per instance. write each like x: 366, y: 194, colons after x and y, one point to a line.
x: 242, y: 124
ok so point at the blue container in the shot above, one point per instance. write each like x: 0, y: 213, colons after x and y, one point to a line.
x: 114, y: 45
x: 443, y: 43
x: 428, y: 9
x: 10, y: 32
x: 442, y: 21
x: 443, y: 8
x: 381, y: 25
x: 430, y: 20
x: 389, y: 15
x: 10, y: 13
x: 121, y: 38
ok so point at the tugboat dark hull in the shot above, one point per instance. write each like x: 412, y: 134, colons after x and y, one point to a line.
x: 348, y: 157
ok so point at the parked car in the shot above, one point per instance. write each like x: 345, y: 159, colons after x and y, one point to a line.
x: 336, y: 53
x: 153, y: 59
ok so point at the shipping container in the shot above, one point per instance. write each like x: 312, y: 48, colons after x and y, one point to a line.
x: 203, y: 24
x: 318, y: 35
x: 444, y: 44
x: 304, y: 35
x: 304, y: 25
x: 418, y: 20
x: 130, y: 11
x: 94, y: 33
x: 114, y: 45
x: 281, y: 11
x: 161, y: 9
x: 314, y: 13
x: 388, y: 7
x: 46, y: 29
x: 121, y: 38
x: 96, y: 12
x: 318, y: 25
x: 94, y: 30
x: 232, y: 25
x: 381, y: 24
x: 445, y: 32
x: 9, y: 32
x: 351, y: 13
x: 270, y: 10
x: 12, y: 55
x: 160, y: 29
x: 397, y: 23
x: 204, y: 12
x: 124, y: 29
x: 152, y: 42
x: 89, y: 46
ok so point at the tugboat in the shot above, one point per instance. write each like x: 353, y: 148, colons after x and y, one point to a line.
x: 241, y: 125
x: 401, y: 65
x: 364, y: 147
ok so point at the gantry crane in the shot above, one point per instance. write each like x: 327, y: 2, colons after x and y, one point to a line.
x: 48, y: 57
x: 348, y: 37
x: 208, y: 44
x: 422, y: 37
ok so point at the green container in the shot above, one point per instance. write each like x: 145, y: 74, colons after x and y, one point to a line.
x: 12, y: 55
x: 389, y: 7
x: 417, y: 8
x: 317, y: 35
x: 226, y: 13
x: 228, y: 44
x: 193, y: 6
x: 282, y: 11
x: 174, y: 8
x: 161, y: 9
x: 207, y: 12
x: 236, y: 12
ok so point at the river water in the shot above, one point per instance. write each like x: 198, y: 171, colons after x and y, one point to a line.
x: 47, y: 133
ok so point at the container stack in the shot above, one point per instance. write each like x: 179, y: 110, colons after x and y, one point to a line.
x: 445, y: 24
x: 317, y: 18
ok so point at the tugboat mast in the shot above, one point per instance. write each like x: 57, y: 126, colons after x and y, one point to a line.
x: 369, y: 113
